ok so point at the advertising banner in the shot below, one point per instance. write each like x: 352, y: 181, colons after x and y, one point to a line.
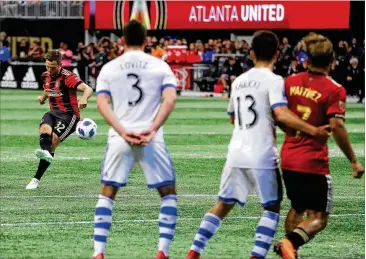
x: 175, y: 15
x: 24, y: 75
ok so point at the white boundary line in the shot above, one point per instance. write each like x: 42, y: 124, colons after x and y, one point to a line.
x: 32, y: 224
x: 90, y: 196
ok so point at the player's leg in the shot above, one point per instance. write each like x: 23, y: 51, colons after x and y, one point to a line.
x: 234, y: 188
x: 117, y: 164
x: 318, y: 204
x: 269, y: 189
x: 296, y: 213
x: 159, y: 172
x: 316, y: 193
x: 45, y: 152
x: 293, y: 219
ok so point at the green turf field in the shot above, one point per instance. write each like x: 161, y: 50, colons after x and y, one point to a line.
x: 56, y: 220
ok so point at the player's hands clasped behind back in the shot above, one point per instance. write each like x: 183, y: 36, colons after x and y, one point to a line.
x: 358, y: 169
x: 142, y: 138
x: 323, y: 134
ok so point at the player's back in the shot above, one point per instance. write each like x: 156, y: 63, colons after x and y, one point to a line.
x: 314, y: 98
x: 253, y: 144
x: 135, y: 81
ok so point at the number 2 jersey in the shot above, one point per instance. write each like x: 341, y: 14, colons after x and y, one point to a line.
x: 135, y: 82
x: 254, y: 95
x: 315, y: 98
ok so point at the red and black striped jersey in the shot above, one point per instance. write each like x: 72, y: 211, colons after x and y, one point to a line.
x: 62, y: 91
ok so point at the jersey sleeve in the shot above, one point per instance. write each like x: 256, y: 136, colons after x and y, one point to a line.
x: 169, y: 79
x: 337, y: 103
x: 277, y: 96
x: 72, y: 81
x: 230, y: 108
x: 103, y: 84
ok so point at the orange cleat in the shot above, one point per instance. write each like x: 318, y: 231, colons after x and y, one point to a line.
x: 161, y: 255
x: 285, y: 249
x: 99, y: 256
x: 193, y: 255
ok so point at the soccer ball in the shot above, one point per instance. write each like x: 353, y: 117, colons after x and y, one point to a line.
x: 86, y: 129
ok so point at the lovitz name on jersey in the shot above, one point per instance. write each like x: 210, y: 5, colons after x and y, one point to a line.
x: 308, y: 93
x: 251, y: 84
x: 136, y: 64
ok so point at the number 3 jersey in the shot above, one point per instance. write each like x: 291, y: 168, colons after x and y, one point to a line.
x: 135, y: 82
x: 315, y: 98
x: 253, y: 96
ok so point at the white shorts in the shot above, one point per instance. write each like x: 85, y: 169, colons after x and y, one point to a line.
x: 120, y: 158
x: 237, y: 183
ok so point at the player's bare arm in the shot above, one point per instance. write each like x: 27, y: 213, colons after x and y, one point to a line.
x: 103, y: 101
x: 169, y: 99
x: 287, y: 117
x: 42, y: 98
x: 341, y: 137
x: 88, y: 91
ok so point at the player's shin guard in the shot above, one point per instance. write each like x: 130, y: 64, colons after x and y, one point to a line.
x: 209, y: 226
x: 266, y: 229
x: 167, y: 222
x: 45, y: 142
x: 42, y: 167
x: 102, y: 223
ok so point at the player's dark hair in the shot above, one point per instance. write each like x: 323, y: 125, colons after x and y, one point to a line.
x: 265, y: 45
x: 135, y: 33
x: 319, y: 50
x: 53, y: 55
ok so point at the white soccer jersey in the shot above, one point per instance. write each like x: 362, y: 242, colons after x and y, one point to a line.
x: 135, y: 82
x: 253, y: 96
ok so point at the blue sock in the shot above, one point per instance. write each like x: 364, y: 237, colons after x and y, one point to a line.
x: 209, y: 226
x: 102, y: 223
x: 266, y: 229
x: 167, y: 222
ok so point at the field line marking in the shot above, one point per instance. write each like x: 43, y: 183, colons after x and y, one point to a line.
x: 90, y: 196
x: 31, y: 224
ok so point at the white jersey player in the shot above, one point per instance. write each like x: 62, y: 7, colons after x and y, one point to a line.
x: 135, y: 83
x: 251, y: 163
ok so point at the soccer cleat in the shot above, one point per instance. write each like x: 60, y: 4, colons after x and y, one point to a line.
x: 33, y: 184
x: 99, y: 256
x: 285, y: 249
x: 161, y: 255
x: 193, y: 255
x: 44, y: 154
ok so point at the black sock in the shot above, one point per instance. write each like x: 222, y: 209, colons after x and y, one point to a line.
x: 42, y: 167
x: 298, y: 237
x: 45, y: 141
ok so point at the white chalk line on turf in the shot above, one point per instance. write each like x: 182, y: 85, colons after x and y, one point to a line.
x: 93, y: 196
x: 33, y: 224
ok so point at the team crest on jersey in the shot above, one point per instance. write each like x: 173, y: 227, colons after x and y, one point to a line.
x: 56, y: 91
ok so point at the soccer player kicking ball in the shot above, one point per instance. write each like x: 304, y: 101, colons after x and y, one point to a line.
x: 60, y: 88
x: 135, y: 84
x: 252, y: 156
x: 318, y: 100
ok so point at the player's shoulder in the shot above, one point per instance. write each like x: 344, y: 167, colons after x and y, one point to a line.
x: 296, y: 77
x: 45, y: 75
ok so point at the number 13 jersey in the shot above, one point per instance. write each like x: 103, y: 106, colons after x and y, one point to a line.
x: 135, y: 82
x: 254, y: 95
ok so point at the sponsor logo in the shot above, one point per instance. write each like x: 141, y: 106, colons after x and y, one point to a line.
x: 8, y: 80
x: 29, y: 80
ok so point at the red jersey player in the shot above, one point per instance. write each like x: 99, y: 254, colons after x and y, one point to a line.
x: 318, y: 100
x: 60, y: 87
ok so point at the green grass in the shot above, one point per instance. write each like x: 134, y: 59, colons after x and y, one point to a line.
x: 55, y: 221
